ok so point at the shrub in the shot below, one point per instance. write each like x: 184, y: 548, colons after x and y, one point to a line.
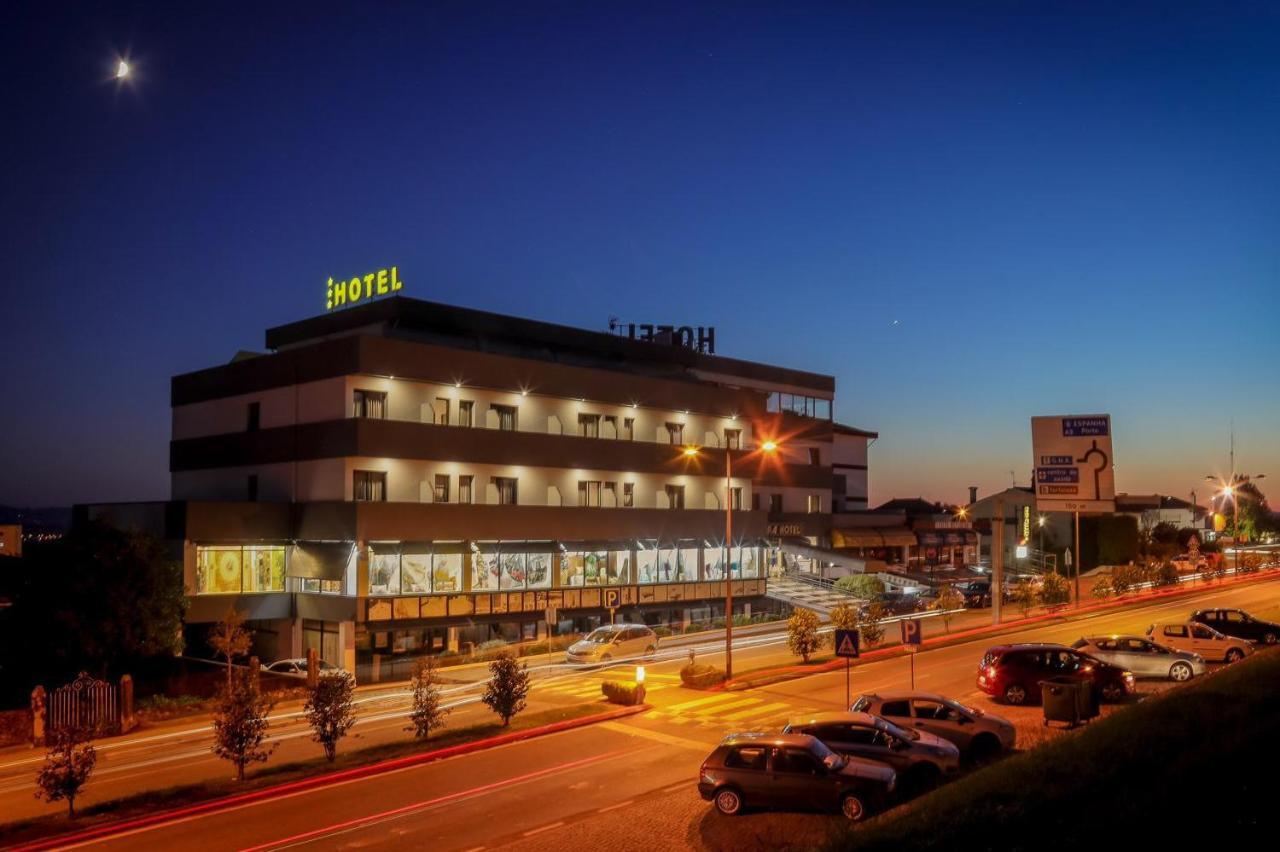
x: 862, y: 585
x: 695, y: 627
x: 1103, y: 588
x: 507, y: 687
x: 1055, y: 591
x: 717, y: 624
x: 491, y: 644
x: 802, y: 633
x: 427, y: 714
x: 331, y: 711
x: 741, y: 620
x: 1025, y: 596
x: 627, y: 694
x: 871, y: 624
x: 700, y: 676
x: 240, y: 724
x: 662, y: 632
x: 844, y: 616
x: 1166, y: 575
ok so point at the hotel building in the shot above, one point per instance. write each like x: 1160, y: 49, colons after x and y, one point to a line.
x: 403, y: 477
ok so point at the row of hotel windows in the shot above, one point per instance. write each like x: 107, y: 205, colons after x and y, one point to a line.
x: 439, y: 568
x: 373, y: 404
x: 371, y: 486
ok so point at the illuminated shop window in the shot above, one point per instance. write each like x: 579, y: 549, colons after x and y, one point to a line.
x: 239, y: 570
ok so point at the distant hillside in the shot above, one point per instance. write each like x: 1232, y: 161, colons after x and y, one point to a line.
x: 45, y: 519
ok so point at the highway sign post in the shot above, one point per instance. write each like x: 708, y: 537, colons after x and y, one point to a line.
x: 1074, y: 468
x: 846, y: 644
x: 912, y: 636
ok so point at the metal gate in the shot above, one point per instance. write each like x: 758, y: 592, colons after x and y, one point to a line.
x: 85, y: 704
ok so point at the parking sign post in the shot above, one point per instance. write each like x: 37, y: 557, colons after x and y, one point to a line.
x: 846, y: 645
x: 912, y: 631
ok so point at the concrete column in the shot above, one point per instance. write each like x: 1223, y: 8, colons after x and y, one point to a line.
x: 347, y: 645
x: 295, y: 639
x: 451, y: 639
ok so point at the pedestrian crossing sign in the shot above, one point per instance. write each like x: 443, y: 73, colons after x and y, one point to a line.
x: 846, y: 642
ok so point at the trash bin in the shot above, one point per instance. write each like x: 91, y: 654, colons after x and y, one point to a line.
x: 1068, y: 699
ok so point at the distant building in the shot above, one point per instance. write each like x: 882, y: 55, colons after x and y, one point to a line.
x: 1153, y: 509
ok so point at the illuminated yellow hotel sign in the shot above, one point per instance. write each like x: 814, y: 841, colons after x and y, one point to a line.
x: 380, y: 283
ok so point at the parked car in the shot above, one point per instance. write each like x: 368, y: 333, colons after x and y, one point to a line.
x: 977, y: 593
x: 611, y: 642
x: 977, y: 734
x: 791, y: 771
x: 1201, y: 639
x: 1239, y: 624
x: 1185, y: 564
x: 1012, y: 673
x: 1143, y: 657
x: 919, y: 757
x: 298, y: 668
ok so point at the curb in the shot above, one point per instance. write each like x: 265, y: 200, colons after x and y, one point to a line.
x: 1064, y: 615
x: 325, y: 780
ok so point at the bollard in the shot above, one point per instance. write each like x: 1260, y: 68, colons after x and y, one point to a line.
x: 127, y: 720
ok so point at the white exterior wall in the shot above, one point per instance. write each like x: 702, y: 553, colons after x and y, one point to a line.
x: 852, y: 450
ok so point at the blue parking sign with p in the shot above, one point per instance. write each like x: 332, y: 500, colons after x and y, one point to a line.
x: 612, y: 598
x: 846, y: 642
x: 911, y: 631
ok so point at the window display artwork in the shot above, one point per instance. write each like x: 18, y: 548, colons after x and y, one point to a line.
x: 415, y: 574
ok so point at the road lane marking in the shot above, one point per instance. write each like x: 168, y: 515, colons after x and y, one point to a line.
x: 615, y: 807
x: 658, y: 736
x: 531, y: 832
x: 677, y: 708
x: 713, y: 711
x: 756, y: 711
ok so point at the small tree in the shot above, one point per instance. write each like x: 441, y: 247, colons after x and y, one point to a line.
x: 507, y: 687
x: 229, y: 638
x: 330, y: 710
x: 1166, y: 575
x: 947, y: 602
x: 427, y: 713
x: 240, y: 724
x: 1025, y: 596
x: 1103, y: 589
x: 862, y: 585
x: 802, y: 633
x: 844, y: 616
x: 871, y: 623
x: 1054, y: 590
x: 66, y: 769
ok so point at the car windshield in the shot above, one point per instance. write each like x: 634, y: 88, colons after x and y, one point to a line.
x: 601, y: 636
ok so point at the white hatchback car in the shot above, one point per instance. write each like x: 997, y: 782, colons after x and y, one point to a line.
x: 613, y: 642
x: 1199, y: 639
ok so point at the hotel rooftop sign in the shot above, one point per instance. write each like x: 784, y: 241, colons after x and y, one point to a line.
x: 362, y: 288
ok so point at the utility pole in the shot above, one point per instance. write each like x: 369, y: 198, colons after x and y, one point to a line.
x: 1079, y: 558
x: 997, y: 561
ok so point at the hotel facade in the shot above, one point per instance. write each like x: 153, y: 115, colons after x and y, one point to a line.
x: 403, y: 477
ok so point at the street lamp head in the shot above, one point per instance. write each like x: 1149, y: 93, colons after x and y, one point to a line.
x: 769, y: 446
x: 1040, y: 520
x: 690, y: 451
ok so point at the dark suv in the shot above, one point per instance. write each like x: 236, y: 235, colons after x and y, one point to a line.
x: 1239, y: 624
x: 1012, y: 673
x: 791, y: 771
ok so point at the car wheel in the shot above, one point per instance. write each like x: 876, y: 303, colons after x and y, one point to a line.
x: 983, y: 748
x: 853, y: 809
x: 1112, y: 692
x: 1234, y: 655
x: 1268, y: 639
x: 1180, y: 672
x: 728, y: 801
x: 1015, y: 694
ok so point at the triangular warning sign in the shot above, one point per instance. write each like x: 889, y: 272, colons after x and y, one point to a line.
x: 847, y: 648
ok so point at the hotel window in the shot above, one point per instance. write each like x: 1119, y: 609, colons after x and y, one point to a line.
x: 442, y: 488
x: 675, y: 433
x: 628, y: 429
x: 815, y: 458
x: 506, y: 417
x: 609, y: 496
x: 735, y: 498
x: 588, y: 493
x: 675, y: 496
x: 775, y: 503
x: 755, y: 502
x: 253, y: 487
x: 506, y: 486
x: 733, y: 439
x: 369, y: 486
x: 466, y: 412
x: 815, y: 503
x: 255, y: 417
x: 628, y: 495
x: 442, y: 410
x: 609, y: 429
x: 589, y: 425
x: 464, y: 489
x: 371, y: 404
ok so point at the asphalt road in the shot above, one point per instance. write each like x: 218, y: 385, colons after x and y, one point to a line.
x: 555, y: 791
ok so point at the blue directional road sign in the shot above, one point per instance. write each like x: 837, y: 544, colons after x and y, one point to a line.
x: 612, y: 598
x: 846, y: 643
x: 912, y: 633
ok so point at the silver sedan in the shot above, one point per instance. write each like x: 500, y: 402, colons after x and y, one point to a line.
x: 1143, y: 657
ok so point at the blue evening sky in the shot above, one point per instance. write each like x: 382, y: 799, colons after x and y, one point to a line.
x: 1066, y: 207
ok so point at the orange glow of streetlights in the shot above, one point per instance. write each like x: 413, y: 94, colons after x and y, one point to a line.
x: 769, y: 446
x: 690, y: 452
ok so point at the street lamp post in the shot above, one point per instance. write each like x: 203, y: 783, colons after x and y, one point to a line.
x: 1232, y: 490
x: 768, y: 447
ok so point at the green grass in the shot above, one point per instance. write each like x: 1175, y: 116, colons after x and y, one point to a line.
x: 142, y: 804
x: 1198, y: 763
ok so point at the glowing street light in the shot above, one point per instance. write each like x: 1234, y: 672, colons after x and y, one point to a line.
x: 122, y: 70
